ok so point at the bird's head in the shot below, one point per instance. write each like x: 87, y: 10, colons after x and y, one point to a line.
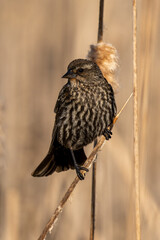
x: 84, y: 71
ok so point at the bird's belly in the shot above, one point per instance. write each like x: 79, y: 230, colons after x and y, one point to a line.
x: 76, y: 137
x: 80, y: 127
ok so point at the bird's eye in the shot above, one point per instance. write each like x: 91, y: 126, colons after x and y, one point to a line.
x: 80, y: 70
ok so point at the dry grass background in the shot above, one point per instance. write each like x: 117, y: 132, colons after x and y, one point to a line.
x: 38, y: 40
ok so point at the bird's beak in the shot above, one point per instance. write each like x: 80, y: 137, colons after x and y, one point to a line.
x: 69, y: 74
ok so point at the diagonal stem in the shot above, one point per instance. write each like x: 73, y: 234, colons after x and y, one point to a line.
x: 49, y: 226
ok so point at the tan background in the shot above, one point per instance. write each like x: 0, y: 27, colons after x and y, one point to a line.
x: 38, y: 39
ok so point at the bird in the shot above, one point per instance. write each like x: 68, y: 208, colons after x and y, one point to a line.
x: 85, y: 109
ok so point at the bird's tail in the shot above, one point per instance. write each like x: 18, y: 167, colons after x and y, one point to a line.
x: 46, y: 167
x: 59, y: 159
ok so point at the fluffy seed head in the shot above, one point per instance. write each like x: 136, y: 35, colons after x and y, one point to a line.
x: 105, y: 55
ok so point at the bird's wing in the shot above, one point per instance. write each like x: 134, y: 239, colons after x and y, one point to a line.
x: 111, y: 98
x: 54, y: 132
x: 61, y: 97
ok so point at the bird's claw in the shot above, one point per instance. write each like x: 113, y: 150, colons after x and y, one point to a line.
x: 107, y: 134
x: 79, y: 174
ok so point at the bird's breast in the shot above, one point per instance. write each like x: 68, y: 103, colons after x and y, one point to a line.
x: 81, y: 118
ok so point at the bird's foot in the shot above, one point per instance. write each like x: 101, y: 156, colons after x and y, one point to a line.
x: 107, y: 134
x: 79, y: 173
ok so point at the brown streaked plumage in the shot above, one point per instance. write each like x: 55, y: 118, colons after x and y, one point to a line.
x: 84, y: 110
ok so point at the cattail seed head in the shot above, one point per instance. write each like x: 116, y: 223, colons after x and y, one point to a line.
x: 105, y: 55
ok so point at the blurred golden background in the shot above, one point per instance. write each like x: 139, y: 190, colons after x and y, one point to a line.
x: 38, y: 40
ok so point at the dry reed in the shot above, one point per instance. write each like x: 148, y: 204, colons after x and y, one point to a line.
x: 136, y: 133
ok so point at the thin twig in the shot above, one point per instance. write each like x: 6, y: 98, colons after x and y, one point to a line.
x: 117, y: 116
x: 93, y: 198
x: 100, y: 27
x: 136, y: 140
x: 94, y: 168
x: 49, y: 226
